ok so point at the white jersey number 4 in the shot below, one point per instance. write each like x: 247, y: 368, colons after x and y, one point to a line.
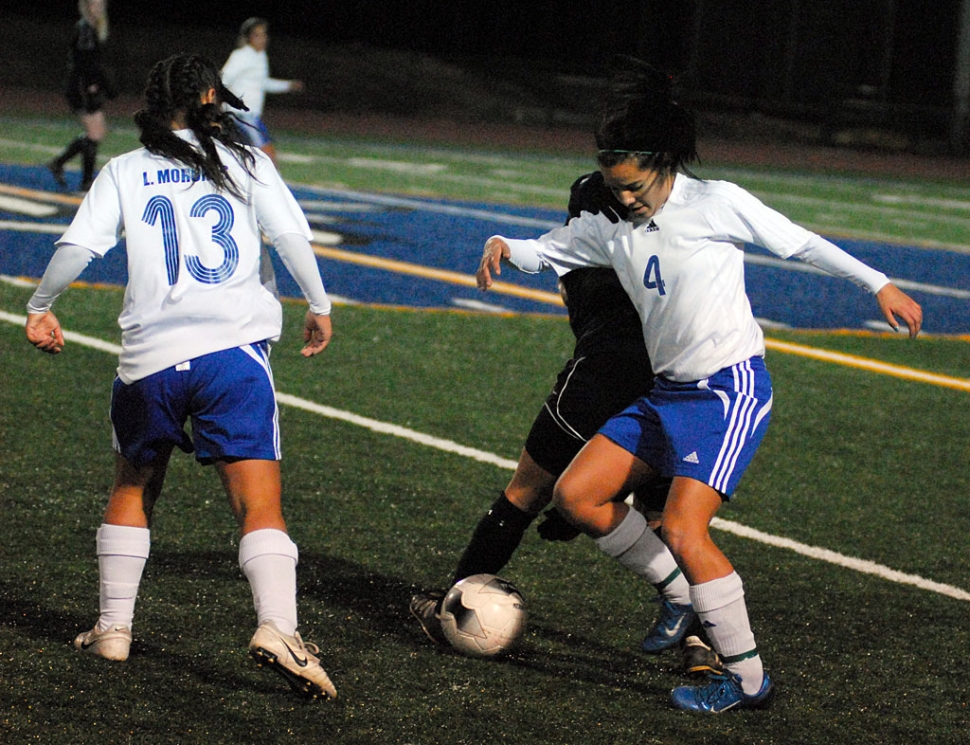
x: 651, y: 276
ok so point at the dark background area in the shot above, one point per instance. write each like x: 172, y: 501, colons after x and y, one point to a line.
x: 877, y: 73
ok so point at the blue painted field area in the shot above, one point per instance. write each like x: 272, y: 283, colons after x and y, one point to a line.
x: 413, y: 238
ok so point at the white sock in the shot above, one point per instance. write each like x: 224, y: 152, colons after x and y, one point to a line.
x: 638, y: 548
x: 122, y: 553
x: 268, y: 558
x: 720, y: 606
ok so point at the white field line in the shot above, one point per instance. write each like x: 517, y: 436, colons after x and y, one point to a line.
x: 819, y: 554
x: 26, y: 206
x: 832, y: 557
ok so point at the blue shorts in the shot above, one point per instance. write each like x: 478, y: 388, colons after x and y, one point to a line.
x: 706, y: 430
x: 227, y: 395
x: 253, y: 129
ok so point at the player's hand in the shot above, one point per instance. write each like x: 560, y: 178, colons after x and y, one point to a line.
x: 590, y: 193
x: 44, y: 332
x: 297, y: 86
x: 554, y: 527
x: 894, y: 302
x: 317, y: 332
x: 495, y: 250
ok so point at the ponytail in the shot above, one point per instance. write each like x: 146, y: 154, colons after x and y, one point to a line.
x: 175, y: 89
x: 641, y: 120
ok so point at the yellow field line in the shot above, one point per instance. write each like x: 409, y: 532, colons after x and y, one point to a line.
x: 42, y: 196
x: 863, y: 363
x: 443, y: 275
x: 553, y: 298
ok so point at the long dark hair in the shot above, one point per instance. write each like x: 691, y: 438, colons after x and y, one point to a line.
x: 175, y: 87
x: 641, y: 120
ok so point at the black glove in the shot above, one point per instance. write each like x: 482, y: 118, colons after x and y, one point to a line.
x: 554, y: 527
x: 590, y: 193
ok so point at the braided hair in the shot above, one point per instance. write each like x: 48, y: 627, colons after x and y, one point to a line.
x: 641, y: 120
x: 174, y: 90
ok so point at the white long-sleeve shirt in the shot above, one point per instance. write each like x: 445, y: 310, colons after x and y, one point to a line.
x: 246, y: 73
x: 684, y: 270
x: 196, y: 262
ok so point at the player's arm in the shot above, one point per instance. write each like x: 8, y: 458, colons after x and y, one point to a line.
x: 297, y: 256
x: 43, y: 329
x: 892, y: 301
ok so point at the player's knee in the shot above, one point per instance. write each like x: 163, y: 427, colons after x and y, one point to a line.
x: 529, y: 499
x: 572, y: 502
x: 681, y: 536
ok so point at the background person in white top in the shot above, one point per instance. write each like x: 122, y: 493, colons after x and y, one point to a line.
x: 679, y: 256
x: 199, y: 317
x: 246, y: 73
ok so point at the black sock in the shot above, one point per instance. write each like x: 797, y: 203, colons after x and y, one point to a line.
x: 76, y: 146
x: 495, y: 539
x: 89, y: 157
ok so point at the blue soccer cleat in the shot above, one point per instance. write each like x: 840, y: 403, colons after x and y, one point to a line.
x: 670, y: 628
x: 724, y: 692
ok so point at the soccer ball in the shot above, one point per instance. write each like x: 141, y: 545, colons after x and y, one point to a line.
x: 483, y: 615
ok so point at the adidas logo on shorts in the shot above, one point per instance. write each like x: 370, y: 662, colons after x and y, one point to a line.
x: 692, y: 458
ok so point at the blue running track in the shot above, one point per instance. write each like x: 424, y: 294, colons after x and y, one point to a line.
x: 430, y: 235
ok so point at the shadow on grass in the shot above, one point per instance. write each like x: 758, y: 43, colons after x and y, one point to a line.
x: 377, y: 602
x: 381, y: 603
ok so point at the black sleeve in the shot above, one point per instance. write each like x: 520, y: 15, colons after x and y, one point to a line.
x: 590, y: 193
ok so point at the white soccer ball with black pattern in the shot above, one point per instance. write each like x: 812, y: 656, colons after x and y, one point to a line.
x: 483, y: 615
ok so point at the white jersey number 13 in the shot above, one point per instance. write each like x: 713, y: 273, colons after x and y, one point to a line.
x: 159, y: 209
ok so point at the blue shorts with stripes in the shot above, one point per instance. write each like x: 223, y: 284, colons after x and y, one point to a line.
x: 253, y: 128
x: 227, y: 396
x: 706, y: 430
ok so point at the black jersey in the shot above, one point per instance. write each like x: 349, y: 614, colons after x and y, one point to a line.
x: 600, y: 312
x: 86, y: 71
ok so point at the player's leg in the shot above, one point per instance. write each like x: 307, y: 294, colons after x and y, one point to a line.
x: 588, y: 492
x: 267, y: 556
x: 144, y: 434
x: 123, y: 545
x: 699, y: 658
x: 495, y: 538
x: 56, y: 166
x: 499, y: 532
x: 270, y: 149
x: 713, y: 433
x: 268, y: 559
x: 567, y: 418
x: 235, y: 427
x: 96, y: 128
x: 588, y: 391
x: 717, y: 595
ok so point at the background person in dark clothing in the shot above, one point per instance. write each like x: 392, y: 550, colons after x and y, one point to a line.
x: 87, y: 90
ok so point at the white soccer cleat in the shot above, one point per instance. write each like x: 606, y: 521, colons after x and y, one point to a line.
x: 295, y: 660
x: 113, y: 643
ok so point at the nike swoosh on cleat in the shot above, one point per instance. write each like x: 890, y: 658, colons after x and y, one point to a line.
x: 672, y: 630
x: 301, y: 662
x: 87, y: 645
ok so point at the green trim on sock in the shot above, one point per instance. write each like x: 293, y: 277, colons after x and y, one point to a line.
x: 739, y: 657
x: 670, y: 578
